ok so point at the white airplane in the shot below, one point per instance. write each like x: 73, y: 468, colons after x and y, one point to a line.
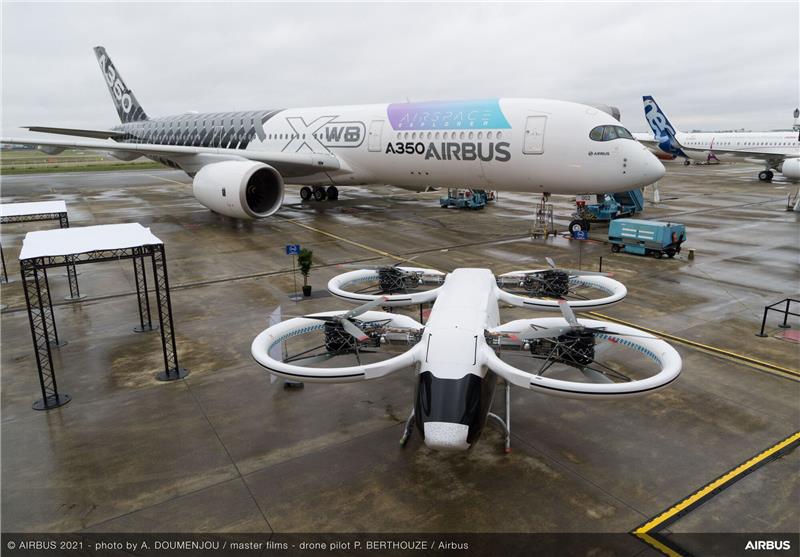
x: 456, y: 353
x: 240, y: 160
x: 775, y: 150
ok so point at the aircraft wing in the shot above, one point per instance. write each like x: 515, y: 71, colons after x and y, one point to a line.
x: 288, y: 164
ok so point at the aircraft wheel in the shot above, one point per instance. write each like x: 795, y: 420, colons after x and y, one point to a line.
x: 333, y: 193
x: 319, y: 194
x: 305, y: 193
x: 687, y: 162
x: 765, y: 175
x: 579, y: 225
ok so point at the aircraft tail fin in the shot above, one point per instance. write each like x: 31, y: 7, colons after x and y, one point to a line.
x: 663, y: 131
x: 125, y: 102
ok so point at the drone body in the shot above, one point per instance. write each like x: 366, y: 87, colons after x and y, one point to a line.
x: 455, y: 354
x: 455, y: 388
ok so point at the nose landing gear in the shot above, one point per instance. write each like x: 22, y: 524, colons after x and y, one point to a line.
x: 319, y: 193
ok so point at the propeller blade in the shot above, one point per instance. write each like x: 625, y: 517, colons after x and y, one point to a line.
x: 327, y: 318
x: 543, y: 333
x: 354, y: 331
x: 364, y: 308
x: 568, y: 314
x: 595, y: 376
x: 605, y: 332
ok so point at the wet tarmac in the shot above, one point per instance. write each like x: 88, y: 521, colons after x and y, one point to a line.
x: 227, y: 450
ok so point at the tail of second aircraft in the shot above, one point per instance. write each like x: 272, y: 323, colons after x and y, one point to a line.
x: 127, y: 106
x: 662, y: 129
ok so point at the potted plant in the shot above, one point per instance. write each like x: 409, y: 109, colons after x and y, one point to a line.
x: 304, y: 260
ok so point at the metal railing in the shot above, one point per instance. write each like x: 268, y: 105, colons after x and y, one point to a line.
x: 785, y: 311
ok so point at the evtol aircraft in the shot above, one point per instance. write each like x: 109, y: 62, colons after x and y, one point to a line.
x: 240, y: 161
x: 456, y: 354
x: 775, y: 150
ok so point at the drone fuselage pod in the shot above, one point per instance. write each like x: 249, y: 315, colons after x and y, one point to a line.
x: 615, y: 292
x: 285, y: 330
x: 454, y: 387
x: 337, y: 285
x: 451, y: 413
x: 654, y: 348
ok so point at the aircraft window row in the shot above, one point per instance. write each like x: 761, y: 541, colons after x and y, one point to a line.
x: 744, y: 144
x: 449, y: 135
x: 607, y: 133
x: 286, y: 136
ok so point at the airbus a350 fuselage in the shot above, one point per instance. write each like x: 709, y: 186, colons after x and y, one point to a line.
x: 532, y: 145
x: 241, y: 160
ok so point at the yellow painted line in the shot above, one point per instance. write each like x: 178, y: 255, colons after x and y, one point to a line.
x: 699, y: 496
x: 655, y: 544
x: 747, y: 360
x: 354, y: 243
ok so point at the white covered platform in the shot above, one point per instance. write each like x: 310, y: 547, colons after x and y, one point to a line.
x: 68, y: 247
x: 32, y: 212
x: 10, y: 210
x: 74, y: 241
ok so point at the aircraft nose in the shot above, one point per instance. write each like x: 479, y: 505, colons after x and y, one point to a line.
x: 652, y: 169
x: 446, y: 436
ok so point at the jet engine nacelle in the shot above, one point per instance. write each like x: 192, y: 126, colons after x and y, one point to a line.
x: 791, y: 169
x: 239, y: 189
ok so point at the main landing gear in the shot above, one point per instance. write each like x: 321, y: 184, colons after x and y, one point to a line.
x: 319, y: 193
x: 765, y: 175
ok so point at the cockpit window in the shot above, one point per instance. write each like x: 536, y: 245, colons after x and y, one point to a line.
x: 607, y: 133
x: 623, y: 133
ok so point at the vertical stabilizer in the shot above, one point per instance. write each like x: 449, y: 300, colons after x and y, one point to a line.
x: 663, y: 131
x: 127, y: 106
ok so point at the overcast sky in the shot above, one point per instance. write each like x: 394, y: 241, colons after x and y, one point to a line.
x: 709, y: 65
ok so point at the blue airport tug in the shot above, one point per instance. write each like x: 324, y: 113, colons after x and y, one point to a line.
x: 646, y: 237
x: 465, y: 199
x: 609, y: 206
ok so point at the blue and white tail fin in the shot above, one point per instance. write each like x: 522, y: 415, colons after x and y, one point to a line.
x: 663, y: 130
x: 127, y: 106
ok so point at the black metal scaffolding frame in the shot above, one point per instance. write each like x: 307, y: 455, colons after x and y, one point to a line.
x: 42, y: 318
x: 63, y: 222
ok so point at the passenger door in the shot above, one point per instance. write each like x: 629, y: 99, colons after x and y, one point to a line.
x: 375, y: 130
x: 533, y: 143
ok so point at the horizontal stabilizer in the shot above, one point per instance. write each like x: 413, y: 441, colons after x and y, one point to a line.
x: 77, y: 132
